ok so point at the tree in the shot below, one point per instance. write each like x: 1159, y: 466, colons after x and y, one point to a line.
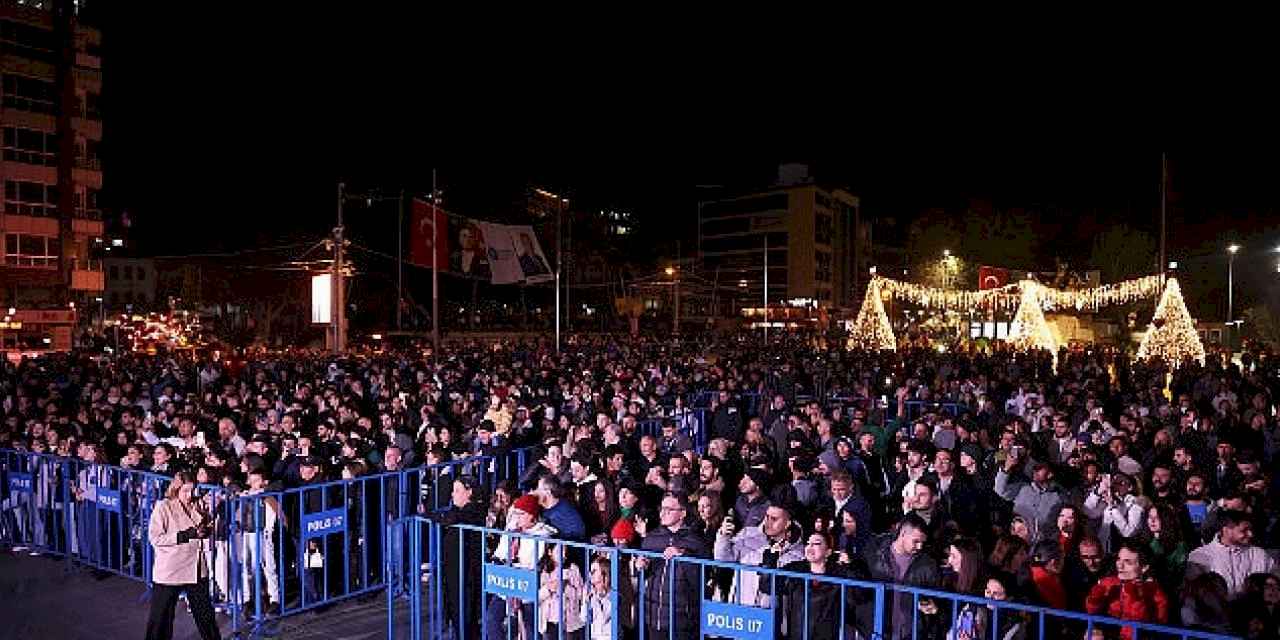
x: 978, y: 235
x: 1121, y: 253
x: 1263, y: 325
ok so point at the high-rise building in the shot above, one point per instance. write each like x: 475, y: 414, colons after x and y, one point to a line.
x: 813, y: 249
x: 50, y: 88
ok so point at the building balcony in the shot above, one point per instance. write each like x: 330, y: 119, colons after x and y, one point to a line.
x: 87, y: 275
x: 87, y: 177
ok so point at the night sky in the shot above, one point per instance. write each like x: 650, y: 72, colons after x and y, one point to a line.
x: 227, y: 132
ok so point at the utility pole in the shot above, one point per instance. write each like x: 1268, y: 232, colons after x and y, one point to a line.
x: 435, y: 270
x: 568, y: 285
x: 1164, y: 189
x: 559, y: 264
x: 339, y: 306
x: 766, y: 290
x: 400, y: 263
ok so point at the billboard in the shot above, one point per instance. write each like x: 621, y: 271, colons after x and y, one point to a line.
x: 321, y: 298
x: 498, y: 253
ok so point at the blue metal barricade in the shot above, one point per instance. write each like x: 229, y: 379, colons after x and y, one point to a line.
x: 917, y: 408
x: 310, y: 547
x: 500, y: 585
x: 692, y: 423
x: 95, y: 515
x: 36, y: 490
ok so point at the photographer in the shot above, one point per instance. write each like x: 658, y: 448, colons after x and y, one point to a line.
x: 179, y: 531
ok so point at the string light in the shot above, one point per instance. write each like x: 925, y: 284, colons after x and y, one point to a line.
x: 1010, y: 296
x: 1172, y: 335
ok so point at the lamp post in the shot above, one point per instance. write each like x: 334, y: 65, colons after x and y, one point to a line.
x: 675, y: 305
x: 1231, y: 263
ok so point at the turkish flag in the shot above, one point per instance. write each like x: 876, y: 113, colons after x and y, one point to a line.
x: 421, y: 238
x: 992, y: 277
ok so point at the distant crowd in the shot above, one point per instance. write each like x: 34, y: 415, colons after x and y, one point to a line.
x: 1101, y: 486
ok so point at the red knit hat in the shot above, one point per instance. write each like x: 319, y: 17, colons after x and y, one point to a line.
x: 528, y: 504
x: 623, y: 530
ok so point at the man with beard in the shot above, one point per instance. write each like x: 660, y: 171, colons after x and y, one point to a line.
x: 1196, y: 505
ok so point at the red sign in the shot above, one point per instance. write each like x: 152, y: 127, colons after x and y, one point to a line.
x: 45, y: 316
x: 992, y: 277
x: 421, y: 239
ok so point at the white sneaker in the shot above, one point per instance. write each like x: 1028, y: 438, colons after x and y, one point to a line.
x: 20, y: 549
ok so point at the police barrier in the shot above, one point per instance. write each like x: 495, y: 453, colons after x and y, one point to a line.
x: 271, y: 554
x: 35, y: 490
x: 308, y: 547
x: 520, y: 584
x: 690, y: 422
x: 748, y: 401
x: 93, y: 515
x: 917, y: 408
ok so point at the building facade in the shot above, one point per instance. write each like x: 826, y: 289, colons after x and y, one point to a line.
x: 50, y: 223
x: 130, y: 281
x: 818, y: 248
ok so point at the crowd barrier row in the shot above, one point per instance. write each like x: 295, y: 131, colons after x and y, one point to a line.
x: 272, y: 553
x: 472, y: 591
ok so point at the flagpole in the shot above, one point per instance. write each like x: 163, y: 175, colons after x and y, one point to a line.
x: 435, y: 272
x: 400, y: 263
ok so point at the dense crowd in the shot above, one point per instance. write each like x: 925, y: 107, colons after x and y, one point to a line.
x: 1101, y: 486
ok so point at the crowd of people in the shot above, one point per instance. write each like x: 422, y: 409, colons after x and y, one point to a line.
x: 1099, y: 485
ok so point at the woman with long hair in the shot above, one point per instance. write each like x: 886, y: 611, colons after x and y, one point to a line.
x: 1008, y: 555
x: 603, y: 511
x: 1205, y: 604
x: 710, y: 514
x: 1068, y: 522
x: 813, y: 606
x: 1162, y: 536
x: 963, y: 567
x: 179, y: 531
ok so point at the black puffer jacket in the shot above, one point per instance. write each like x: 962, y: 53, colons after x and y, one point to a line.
x: 657, y: 587
x: 471, y: 514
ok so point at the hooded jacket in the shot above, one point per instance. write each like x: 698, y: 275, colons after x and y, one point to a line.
x: 752, y: 547
x: 1035, y: 504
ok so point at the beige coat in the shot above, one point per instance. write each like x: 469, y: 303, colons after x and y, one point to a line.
x: 175, y: 563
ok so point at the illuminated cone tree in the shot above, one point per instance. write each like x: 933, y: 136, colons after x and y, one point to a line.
x: 872, y: 330
x: 1029, y: 329
x: 1172, y: 335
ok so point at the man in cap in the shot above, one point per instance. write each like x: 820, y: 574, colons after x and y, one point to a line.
x: 753, y: 498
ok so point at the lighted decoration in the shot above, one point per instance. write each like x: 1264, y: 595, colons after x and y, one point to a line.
x: 1010, y: 296
x: 1172, y: 335
x: 872, y: 330
x: 1029, y: 330
x: 1030, y: 298
x: 146, y: 333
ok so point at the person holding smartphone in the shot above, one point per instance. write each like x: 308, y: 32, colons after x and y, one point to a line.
x: 179, y: 530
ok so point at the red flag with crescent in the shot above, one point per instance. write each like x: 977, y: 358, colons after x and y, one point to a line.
x: 992, y: 277
x: 421, y: 239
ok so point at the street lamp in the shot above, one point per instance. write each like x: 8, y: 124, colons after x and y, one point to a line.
x: 675, y: 295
